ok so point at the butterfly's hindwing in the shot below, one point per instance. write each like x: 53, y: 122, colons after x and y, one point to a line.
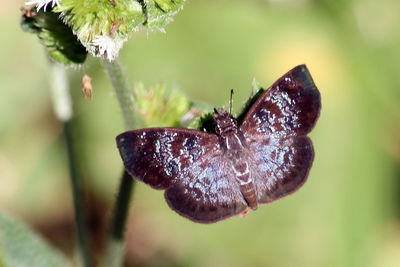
x: 289, y: 107
x: 208, y: 193
x: 280, y: 167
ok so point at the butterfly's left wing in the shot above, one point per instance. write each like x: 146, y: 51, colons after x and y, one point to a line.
x: 207, y: 192
x: 159, y: 156
x: 190, y: 165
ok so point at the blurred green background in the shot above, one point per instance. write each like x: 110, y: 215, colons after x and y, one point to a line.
x: 348, y: 212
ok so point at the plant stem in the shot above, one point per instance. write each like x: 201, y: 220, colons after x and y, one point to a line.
x: 123, y: 198
x: 115, y: 249
x: 114, y: 253
x: 125, y: 96
x: 78, y: 193
x: 63, y: 109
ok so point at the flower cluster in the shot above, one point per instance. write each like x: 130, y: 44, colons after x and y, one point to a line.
x: 102, y: 26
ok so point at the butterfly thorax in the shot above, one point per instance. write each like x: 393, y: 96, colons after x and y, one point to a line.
x: 226, y: 124
x: 236, y: 150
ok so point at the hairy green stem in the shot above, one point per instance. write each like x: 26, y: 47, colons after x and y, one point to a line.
x: 63, y: 110
x: 115, y: 249
x: 125, y: 95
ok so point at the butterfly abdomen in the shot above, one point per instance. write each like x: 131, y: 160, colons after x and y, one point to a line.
x: 235, y: 148
x: 243, y: 176
x: 249, y: 194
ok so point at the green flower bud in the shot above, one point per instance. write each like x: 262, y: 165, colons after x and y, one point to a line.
x: 159, y: 106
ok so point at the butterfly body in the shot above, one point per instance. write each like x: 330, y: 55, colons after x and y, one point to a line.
x: 235, y: 149
x: 208, y: 177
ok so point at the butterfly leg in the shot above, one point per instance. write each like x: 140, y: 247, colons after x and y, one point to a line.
x: 244, y: 213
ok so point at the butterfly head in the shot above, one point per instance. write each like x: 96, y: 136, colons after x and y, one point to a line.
x: 225, y: 123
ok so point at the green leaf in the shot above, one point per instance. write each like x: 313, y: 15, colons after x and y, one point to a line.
x: 59, y: 40
x: 20, y: 246
x: 165, y: 5
x: 206, y: 121
x: 160, y: 12
x: 257, y: 91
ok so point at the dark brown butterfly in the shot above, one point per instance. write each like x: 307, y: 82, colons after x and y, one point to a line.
x: 212, y: 176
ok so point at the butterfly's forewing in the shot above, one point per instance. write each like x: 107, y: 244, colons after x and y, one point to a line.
x: 290, y: 107
x: 275, y: 129
x: 190, y: 165
x: 159, y: 156
x: 280, y: 167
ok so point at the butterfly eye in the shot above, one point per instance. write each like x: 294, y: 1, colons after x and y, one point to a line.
x: 217, y: 130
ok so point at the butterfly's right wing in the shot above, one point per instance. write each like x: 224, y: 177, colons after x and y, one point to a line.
x: 280, y: 167
x: 290, y: 107
x: 190, y: 165
x: 275, y: 129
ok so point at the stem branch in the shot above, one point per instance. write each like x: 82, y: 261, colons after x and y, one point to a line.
x: 78, y: 196
x: 63, y: 109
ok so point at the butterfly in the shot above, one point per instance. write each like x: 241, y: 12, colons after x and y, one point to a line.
x: 208, y: 177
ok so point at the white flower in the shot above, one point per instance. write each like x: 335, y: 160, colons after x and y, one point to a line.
x: 43, y: 3
x: 107, y: 46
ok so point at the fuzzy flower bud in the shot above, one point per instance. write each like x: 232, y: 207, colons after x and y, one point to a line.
x: 102, y: 26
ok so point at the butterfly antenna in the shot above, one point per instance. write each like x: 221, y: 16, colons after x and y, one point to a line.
x: 230, y: 104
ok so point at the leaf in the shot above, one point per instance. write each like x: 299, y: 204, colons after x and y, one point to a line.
x: 58, y: 39
x: 165, y: 5
x: 20, y: 246
x: 161, y: 12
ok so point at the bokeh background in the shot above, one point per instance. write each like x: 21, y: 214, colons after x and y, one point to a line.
x: 347, y: 214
